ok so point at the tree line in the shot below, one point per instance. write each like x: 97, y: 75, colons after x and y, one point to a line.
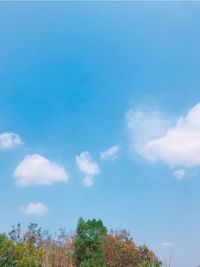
x: 91, y: 245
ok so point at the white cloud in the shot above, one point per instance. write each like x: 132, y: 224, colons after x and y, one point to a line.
x: 8, y: 140
x: 37, y: 208
x: 111, y: 153
x: 143, y: 124
x: 180, y: 174
x: 179, y: 145
x: 37, y: 170
x: 88, y: 167
x: 168, y: 244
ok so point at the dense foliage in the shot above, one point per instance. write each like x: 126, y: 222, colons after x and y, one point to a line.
x: 89, y: 243
x: 90, y: 246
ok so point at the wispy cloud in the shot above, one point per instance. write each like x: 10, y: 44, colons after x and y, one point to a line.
x: 111, y: 153
x: 180, y: 174
x: 32, y: 208
x: 177, y: 145
x: 88, y: 167
x: 37, y: 170
x: 168, y: 244
x: 8, y: 140
x: 143, y: 124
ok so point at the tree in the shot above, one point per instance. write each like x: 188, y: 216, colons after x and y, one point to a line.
x: 59, y: 250
x: 121, y: 251
x: 89, y: 243
x: 145, y: 258
x: 22, y: 250
x: 3, y: 240
x: 90, y: 246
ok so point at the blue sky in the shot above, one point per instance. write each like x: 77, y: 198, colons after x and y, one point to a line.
x: 99, y: 117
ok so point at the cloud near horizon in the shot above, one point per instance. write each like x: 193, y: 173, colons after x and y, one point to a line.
x: 153, y: 138
x: 180, y: 174
x: 37, y: 170
x: 9, y: 140
x: 168, y: 244
x: 37, y: 209
x: 88, y: 167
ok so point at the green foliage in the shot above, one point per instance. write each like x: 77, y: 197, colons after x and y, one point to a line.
x: 3, y: 240
x: 21, y: 250
x: 89, y: 243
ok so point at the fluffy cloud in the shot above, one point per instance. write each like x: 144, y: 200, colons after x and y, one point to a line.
x: 111, y: 153
x: 37, y: 208
x: 179, y: 174
x: 88, y: 167
x: 178, y: 145
x: 37, y: 170
x: 8, y: 140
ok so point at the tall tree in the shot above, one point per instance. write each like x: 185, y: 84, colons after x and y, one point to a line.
x: 89, y: 243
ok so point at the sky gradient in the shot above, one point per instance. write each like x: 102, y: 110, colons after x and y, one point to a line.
x: 100, y: 117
